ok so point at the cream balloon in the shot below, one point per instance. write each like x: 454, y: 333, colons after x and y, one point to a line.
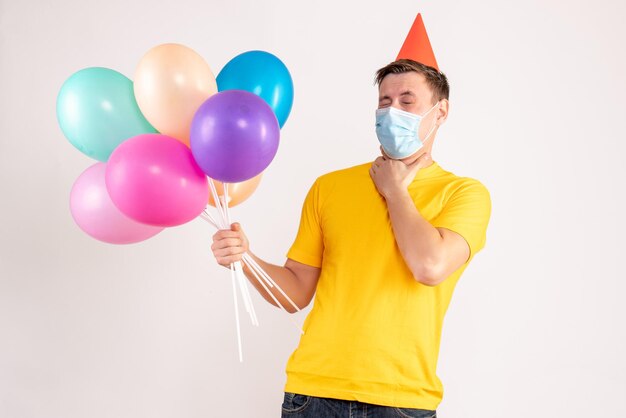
x: 237, y: 192
x: 170, y: 83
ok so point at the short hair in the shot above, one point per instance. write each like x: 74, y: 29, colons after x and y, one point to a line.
x: 436, y: 80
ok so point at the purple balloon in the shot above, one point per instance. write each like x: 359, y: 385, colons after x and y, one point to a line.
x: 234, y: 136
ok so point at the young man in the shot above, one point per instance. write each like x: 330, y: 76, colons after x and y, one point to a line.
x: 381, y: 246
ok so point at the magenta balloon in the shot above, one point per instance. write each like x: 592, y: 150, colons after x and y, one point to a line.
x: 154, y: 179
x: 234, y: 136
x: 94, y: 212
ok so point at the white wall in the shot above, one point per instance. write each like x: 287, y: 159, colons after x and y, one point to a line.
x: 536, y: 326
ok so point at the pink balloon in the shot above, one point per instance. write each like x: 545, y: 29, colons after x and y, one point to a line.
x: 154, y: 179
x: 94, y: 212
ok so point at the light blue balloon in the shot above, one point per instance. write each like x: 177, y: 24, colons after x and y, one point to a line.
x: 263, y: 74
x: 97, y: 111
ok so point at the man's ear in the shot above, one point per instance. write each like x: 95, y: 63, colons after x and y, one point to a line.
x: 442, y: 111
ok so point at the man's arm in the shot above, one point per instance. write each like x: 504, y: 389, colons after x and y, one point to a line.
x: 432, y: 254
x: 297, y: 280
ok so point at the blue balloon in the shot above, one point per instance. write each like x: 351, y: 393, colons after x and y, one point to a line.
x: 263, y: 74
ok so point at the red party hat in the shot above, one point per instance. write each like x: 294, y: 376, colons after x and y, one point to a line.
x: 417, y: 46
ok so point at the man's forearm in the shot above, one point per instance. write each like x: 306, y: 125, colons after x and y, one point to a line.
x: 283, y: 277
x: 419, y: 242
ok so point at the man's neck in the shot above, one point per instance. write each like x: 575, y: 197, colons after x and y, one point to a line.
x: 411, y: 160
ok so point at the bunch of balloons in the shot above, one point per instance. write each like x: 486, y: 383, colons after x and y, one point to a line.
x: 158, y: 139
x: 173, y: 143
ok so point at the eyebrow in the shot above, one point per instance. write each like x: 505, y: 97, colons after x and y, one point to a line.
x: 404, y: 93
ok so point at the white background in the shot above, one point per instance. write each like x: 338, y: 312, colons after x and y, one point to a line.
x: 536, y: 325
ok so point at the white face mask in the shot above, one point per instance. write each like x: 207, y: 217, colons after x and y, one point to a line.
x: 398, y: 131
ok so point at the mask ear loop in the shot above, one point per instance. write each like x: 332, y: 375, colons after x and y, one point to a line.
x: 434, y: 125
x: 429, y: 133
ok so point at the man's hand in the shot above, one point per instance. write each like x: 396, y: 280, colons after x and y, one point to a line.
x: 297, y: 280
x: 229, y: 245
x: 392, y: 177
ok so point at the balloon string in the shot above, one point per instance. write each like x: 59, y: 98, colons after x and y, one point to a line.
x: 232, y: 275
x: 226, y: 202
x: 220, y: 224
x: 207, y: 217
x: 280, y: 305
x: 250, y: 260
x: 245, y: 292
x: 217, y: 202
x: 236, y: 270
x: 268, y: 279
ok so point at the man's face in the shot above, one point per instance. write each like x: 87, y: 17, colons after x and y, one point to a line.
x: 409, y: 92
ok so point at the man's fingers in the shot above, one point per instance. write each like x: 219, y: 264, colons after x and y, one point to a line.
x: 225, y: 233
x: 229, y: 245
x: 227, y: 242
x: 227, y: 261
x: 225, y: 252
x: 234, y: 231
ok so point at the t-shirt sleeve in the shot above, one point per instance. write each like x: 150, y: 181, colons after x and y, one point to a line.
x: 308, y: 246
x: 467, y: 213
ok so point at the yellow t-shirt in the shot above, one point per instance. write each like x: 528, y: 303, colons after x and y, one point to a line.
x: 373, y: 332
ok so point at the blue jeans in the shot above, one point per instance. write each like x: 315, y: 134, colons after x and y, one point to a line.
x: 304, y: 406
